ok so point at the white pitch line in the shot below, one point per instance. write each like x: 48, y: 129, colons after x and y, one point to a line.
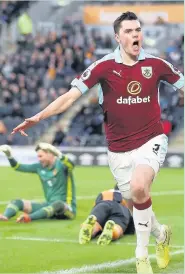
x: 107, y: 265
x: 62, y: 240
x: 160, y: 193
x: 167, y: 193
x: 54, y: 240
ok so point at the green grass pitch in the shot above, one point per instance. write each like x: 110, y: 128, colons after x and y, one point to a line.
x: 53, y: 245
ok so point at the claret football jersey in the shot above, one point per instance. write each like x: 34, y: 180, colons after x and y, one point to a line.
x: 129, y: 96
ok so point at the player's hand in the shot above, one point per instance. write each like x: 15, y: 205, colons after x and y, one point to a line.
x: 7, y: 150
x: 30, y: 122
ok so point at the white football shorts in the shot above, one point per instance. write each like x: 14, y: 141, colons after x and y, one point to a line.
x: 122, y: 164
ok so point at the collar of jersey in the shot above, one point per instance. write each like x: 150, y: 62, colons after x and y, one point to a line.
x: 118, y: 58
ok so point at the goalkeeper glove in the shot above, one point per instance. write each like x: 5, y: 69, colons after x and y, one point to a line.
x: 7, y: 150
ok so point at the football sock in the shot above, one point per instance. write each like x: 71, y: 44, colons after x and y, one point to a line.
x: 117, y: 232
x: 142, y: 214
x: 96, y: 229
x: 13, y: 208
x: 157, y: 229
x: 43, y: 213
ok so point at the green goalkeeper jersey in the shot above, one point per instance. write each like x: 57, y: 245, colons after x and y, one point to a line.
x: 57, y: 181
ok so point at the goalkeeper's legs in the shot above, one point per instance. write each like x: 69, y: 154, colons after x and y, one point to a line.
x: 20, y: 205
x: 30, y: 209
x: 45, y: 212
x: 11, y: 210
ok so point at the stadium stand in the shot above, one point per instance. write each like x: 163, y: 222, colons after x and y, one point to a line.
x: 11, y: 9
x: 43, y: 65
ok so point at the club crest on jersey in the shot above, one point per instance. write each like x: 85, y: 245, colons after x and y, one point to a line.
x: 86, y: 75
x: 147, y: 72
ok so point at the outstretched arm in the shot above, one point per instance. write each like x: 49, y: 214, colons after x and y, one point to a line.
x: 61, y: 104
x: 90, y: 77
x: 32, y: 168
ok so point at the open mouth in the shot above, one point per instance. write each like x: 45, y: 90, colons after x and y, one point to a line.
x: 136, y: 45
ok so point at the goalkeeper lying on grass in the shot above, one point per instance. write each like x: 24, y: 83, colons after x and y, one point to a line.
x: 110, y: 216
x: 55, y: 173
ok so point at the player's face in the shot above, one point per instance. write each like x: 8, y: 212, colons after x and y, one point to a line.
x: 44, y: 158
x: 130, y: 37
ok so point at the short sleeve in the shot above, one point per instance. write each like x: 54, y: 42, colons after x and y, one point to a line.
x: 90, y: 77
x: 171, y: 75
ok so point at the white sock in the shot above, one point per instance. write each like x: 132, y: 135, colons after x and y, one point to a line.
x: 142, y: 221
x: 157, y: 229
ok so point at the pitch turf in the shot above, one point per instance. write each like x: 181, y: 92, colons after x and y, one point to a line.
x: 53, y: 245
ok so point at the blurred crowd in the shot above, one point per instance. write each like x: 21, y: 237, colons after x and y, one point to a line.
x: 11, y: 9
x: 42, y: 68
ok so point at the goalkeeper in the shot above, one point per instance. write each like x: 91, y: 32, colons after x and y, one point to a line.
x: 55, y: 173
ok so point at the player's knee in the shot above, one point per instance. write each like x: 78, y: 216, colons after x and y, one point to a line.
x: 117, y: 232
x: 140, y: 183
x: 27, y: 206
x: 18, y: 203
x: 58, y: 206
x: 138, y: 190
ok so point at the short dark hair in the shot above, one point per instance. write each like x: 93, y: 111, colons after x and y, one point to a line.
x: 124, y: 16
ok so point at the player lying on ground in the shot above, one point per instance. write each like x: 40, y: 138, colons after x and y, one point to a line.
x: 55, y: 173
x: 110, y: 216
x: 128, y: 80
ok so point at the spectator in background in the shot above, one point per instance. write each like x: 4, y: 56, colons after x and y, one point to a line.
x: 11, y: 9
x: 6, y: 97
x: 108, y: 42
x: 160, y: 21
x: 59, y: 136
x: 70, y: 141
x: 25, y: 24
x: 7, y: 69
x: 17, y: 110
x: 96, y: 125
x: 3, y: 129
x: 171, y: 47
x: 10, y: 140
x: 50, y: 74
x: 167, y: 126
x: 78, y: 62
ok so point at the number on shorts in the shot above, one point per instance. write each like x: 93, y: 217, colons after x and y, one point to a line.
x: 156, y: 148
